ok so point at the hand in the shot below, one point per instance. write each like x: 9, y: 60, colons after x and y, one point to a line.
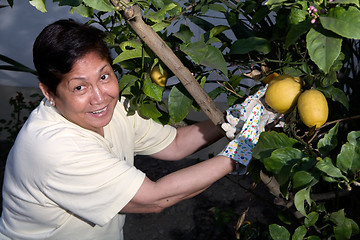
x: 248, y: 119
x: 237, y: 114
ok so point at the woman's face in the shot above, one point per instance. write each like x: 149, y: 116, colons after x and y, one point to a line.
x: 87, y: 95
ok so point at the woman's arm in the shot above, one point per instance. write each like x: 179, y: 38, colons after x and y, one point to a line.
x: 190, y: 139
x: 178, y: 186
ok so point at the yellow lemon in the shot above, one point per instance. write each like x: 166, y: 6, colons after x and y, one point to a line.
x: 313, y: 108
x: 283, y: 92
x: 158, y: 77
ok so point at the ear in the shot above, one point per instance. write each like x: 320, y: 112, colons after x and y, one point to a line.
x: 47, y: 93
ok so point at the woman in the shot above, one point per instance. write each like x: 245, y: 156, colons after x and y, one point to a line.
x: 70, y: 173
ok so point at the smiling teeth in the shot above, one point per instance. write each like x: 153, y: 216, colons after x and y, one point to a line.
x: 99, y: 111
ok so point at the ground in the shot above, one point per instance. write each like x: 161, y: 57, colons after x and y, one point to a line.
x: 211, y: 215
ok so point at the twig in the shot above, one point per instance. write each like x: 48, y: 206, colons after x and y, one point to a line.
x: 341, y: 120
x: 240, y: 222
x: 232, y: 90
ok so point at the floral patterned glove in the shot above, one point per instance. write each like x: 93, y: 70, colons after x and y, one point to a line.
x: 237, y: 114
x: 247, y: 121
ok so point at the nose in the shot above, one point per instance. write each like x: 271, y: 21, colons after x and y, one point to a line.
x: 97, y: 95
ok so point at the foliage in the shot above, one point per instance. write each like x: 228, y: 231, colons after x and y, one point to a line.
x: 18, y: 116
x: 317, y: 41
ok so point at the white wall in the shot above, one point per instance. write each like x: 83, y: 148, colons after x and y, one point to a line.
x: 19, y: 27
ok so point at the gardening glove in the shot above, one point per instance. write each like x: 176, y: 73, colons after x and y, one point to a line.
x: 250, y: 117
x: 237, y: 114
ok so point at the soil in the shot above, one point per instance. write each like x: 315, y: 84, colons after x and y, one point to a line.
x: 211, y: 215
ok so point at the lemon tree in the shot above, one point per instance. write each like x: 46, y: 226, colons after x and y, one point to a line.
x: 236, y: 46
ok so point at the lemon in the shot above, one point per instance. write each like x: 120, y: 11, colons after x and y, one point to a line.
x: 158, y: 77
x: 283, y: 92
x: 313, y: 108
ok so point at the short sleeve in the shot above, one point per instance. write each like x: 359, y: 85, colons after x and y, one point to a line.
x: 148, y: 136
x: 87, y: 179
x: 152, y: 137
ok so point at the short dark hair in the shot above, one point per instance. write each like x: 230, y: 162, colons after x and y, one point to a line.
x: 60, y: 44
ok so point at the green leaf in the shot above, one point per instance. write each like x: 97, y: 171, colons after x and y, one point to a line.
x: 130, y: 50
x: 299, y: 14
x: 299, y: 233
x: 301, y: 179
x: 354, y: 226
x: 274, y: 3
x: 83, y: 10
x: 326, y: 166
x: 336, y: 95
x: 10, y: 2
x: 311, y: 219
x: 323, y: 47
x: 244, y: 46
x: 269, y: 141
x: 300, y: 198
x: 157, y: 27
x: 184, y: 33
x: 345, y: 22
x: 101, y: 5
x: 179, y: 103
x: 16, y: 66
x: 260, y: 14
x: 126, y: 82
x: 160, y: 15
x: 149, y: 109
x: 345, y: 227
x: 151, y: 89
x: 329, y: 141
x: 207, y: 26
x: 281, y: 158
x: 206, y: 55
x: 72, y: 3
x: 217, y: 30
x: 296, y: 31
x: 338, y: 217
x: 17, y: 69
x: 217, y: 7
x: 39, y: 4
x: 313, y: 238
x: 279, y: 232
x: 343, y: 231
x: 355, y: 2
x: 215, y: 93
x: 348, y: 159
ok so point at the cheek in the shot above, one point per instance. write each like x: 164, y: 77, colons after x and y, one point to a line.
x: 77, y: 105
x: 113, y: 89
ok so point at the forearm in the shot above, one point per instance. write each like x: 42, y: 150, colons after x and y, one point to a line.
x: 190, y: 139
x: 179, y: 185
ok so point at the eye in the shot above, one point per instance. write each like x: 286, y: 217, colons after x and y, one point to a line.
x: 79, y: 88
x: 104, y: 77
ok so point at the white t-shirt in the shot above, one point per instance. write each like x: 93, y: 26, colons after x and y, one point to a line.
x: 65, y: 182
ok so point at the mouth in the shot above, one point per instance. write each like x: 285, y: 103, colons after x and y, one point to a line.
x: 100, y: 111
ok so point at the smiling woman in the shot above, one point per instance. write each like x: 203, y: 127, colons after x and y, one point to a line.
x: 70, y: 173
